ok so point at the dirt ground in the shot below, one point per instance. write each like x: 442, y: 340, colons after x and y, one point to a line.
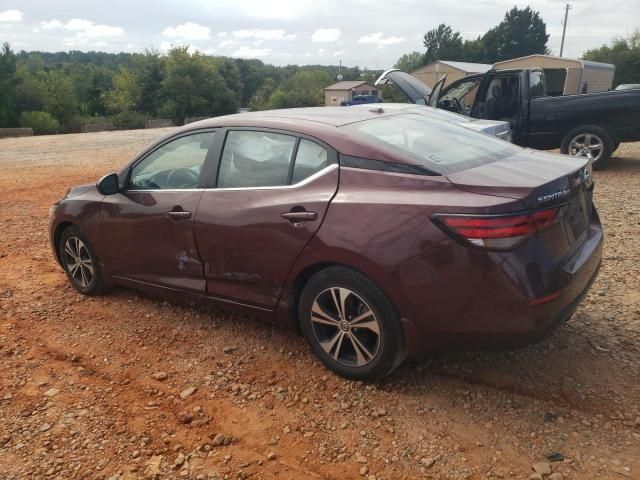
x: 83, y: 392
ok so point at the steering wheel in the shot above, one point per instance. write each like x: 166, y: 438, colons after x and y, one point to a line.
x: 179, y: 177
x: 456, y: 105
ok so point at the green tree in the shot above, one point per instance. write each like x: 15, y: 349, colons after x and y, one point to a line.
x: 410, y: 61
x: 193, y: 86
x: 522, y: 32
x: 624, y: 54
x: 126, y: 93
x: 40, y: 122
x: 31, y: 92
x: 442, y: 43
x: 148, y: 69
x: 8, y: 81
x: 261, y: 99
x: 61, y: 100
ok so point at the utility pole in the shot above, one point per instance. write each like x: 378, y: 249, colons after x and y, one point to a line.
x: 564, y: 26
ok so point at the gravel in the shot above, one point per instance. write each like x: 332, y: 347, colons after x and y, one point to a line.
x: 249, y: 389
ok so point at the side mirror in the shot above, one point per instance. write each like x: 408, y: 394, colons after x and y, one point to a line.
x: 108, y: 185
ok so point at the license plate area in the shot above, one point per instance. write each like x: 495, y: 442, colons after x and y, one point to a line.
x: 576, y: 218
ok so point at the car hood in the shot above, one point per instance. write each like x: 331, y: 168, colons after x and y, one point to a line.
x: 495, y: 128
x: 78, y: 190
x: 414, y: 89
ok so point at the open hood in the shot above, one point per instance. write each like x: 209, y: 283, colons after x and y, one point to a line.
x: 416, y: 91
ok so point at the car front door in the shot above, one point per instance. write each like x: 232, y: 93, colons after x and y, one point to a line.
x: 148, y: 227
x: 272, y: 190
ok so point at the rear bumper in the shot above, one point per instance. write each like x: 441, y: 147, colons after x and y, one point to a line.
x: 502, y: 313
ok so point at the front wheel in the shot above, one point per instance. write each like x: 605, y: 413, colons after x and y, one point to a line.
x: 80, y: 262
x: 589, y: 141
x: 350, y: 324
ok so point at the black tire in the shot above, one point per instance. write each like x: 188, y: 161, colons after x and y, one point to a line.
x: 387, y: 352
x: 71, y: 242
x: 608, y: 145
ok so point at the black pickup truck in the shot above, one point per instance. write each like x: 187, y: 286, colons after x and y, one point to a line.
x: 590, y: 125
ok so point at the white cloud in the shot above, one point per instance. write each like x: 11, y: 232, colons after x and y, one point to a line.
x: 248, y: 52
x: 338, y: 53
x: 278, y: 34
x: 325, y: 35
x: 188, y: 31
x: 51, y: 24
x: 11, y: 16
x: 86, y: 28
x: 373, y: 38
x: 222, y: 34
x: 379, y: 40
x: 83, y: 28
x: 390, y: 40
x: 226, y: 43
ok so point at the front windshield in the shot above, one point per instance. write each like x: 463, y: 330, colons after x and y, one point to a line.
x: 440, y: 146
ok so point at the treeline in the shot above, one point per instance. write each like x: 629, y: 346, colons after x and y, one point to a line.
x: 521, y: 32
x: 59, y: 92
x: 624, y: 53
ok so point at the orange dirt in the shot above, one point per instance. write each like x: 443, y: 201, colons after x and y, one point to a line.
x: 78, y: 400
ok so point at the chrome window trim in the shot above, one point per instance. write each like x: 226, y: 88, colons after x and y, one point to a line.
x: 301, y: 183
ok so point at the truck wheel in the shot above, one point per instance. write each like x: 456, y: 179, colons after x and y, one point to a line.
x: 589, y: 141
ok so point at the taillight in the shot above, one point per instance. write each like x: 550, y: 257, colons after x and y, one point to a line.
x: 499, y: 232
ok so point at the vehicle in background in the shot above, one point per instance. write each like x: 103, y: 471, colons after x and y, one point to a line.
x: 493, y: 128
x: 585, y: 125
x: 627, y: 86
x: 380, y: 233
x: 362, y: 99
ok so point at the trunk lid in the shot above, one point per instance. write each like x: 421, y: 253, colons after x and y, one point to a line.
x: 540, y: 181
x: 537, y: 179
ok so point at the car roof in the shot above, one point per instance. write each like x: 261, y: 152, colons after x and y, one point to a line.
x: 327, y: 116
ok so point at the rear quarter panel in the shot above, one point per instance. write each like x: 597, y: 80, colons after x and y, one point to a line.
x: 379, y: 224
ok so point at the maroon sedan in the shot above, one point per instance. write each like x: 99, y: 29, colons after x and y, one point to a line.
x: 381, y: 233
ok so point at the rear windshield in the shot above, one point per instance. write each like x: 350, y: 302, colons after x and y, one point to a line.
x: 441, y: 146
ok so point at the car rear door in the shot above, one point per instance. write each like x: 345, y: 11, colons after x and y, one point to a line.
x: 267, y: 199
x: 147, y: 227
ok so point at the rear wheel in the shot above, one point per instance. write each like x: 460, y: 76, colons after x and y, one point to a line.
x: 80, y: 262
x: 350, y: 324
x: 589, y: 141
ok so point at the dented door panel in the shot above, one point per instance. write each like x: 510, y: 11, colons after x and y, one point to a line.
x: 148, y: 237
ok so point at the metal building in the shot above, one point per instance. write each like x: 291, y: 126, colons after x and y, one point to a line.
x: 566, y: 76
x: 344, y: 91
x: 434, y: 71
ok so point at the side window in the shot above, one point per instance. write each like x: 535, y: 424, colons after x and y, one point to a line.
x: 255, y: 159
x: 175, y: 165
x: 311, y: 158
x: 536, y: 85
x: 460, y: 99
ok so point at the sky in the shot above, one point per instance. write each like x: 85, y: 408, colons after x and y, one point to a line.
x: 367, y: 33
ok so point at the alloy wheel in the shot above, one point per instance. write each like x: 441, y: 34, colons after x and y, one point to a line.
x: 586, y: 145
x: 78, y: 261
x: 345, y: 326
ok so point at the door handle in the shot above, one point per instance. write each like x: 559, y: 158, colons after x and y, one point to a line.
x: 297, y: 217
x: 178, y: 215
